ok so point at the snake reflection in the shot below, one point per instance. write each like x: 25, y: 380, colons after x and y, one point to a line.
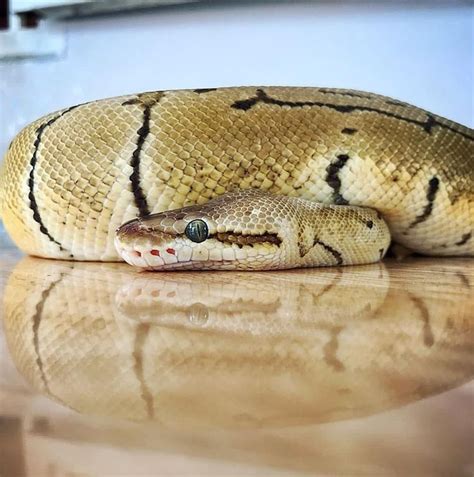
x: 237, y: 350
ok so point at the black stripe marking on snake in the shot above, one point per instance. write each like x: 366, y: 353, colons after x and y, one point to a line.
x: 464, y: 239
x: 394, y: 102
x: 242, y: 239
x: 31, y: 178
x: 204, y: 90
x: 433, y: 186
x: 138, y: 195
x: 147, y: 101
x: 350, y: 94
x: 333, y: 180
x: 359, y: 94
x: 337, y: 255
x: 149, y: 98
x: 349, y: 131
x: 427, y: 125
x: 142, y: 332
x: 37, y: 318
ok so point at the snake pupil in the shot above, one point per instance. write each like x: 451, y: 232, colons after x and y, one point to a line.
x: 197, y: 231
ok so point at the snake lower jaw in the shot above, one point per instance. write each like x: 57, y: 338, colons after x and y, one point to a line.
x: 193, y: 265
x: 171, y: 260
x: 148, y: 262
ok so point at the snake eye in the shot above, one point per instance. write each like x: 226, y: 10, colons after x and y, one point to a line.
x: 197, y: 231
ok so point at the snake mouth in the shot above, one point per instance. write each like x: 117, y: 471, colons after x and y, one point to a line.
x: 153, y: 263
x: 152, y: 256
x: 192, y: 265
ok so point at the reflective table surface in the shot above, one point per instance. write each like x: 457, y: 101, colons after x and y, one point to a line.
x: 338, y: 371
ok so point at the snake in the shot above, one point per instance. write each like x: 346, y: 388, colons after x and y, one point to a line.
x: 240, y: 178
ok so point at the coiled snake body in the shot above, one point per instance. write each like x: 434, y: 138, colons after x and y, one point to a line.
x: 72, y: 178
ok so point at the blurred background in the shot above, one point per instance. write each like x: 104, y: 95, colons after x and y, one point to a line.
x: 55, y: 53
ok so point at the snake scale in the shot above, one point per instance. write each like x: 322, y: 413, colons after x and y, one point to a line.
x: 71, y: 178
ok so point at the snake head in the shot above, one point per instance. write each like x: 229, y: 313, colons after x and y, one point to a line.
x: 238, y: 230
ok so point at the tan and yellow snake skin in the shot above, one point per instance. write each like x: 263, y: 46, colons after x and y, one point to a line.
x: 72, y: 178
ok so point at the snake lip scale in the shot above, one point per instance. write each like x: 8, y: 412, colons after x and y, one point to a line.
x: 241, y: 178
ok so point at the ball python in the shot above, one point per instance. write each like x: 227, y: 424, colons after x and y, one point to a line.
x: 275, y: 177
